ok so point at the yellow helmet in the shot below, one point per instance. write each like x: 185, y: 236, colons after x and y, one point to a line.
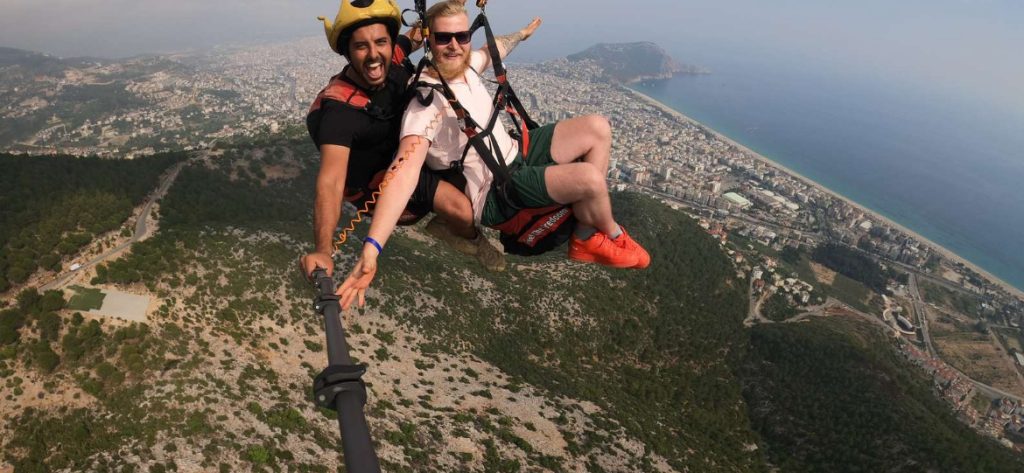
x: 358, y: 13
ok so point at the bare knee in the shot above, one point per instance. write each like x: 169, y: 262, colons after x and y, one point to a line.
x: 454, y: 207
x: 600, y: 127
x: 591, y: 181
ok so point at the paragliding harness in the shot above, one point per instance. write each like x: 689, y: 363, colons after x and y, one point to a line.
x: 526, y: 231
x: 344, y: 91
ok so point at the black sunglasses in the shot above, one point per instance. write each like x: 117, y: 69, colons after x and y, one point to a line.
x: 442, y: 38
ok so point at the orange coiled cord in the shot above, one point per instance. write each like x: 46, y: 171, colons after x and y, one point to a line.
x: 397, y: 163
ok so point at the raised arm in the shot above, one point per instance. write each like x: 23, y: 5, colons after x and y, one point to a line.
x: 509, y: 42
x: 390, y: 205
x: 415, y: 34
x: 415, y: 37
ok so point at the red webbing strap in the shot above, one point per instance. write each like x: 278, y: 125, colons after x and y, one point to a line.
x: 525, y: 138
x: 524, y: 131
x: 342, y: 91
x: 461, y: 114
x: 398, y: 56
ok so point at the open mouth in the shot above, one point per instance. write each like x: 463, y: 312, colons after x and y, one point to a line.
x: 374, y: 70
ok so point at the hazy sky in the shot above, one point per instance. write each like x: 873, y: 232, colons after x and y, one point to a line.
x: 970, y: 48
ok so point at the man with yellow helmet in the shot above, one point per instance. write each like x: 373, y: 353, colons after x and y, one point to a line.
x: 354, y: 122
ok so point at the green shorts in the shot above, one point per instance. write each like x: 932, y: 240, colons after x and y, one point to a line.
x: 527, y: 180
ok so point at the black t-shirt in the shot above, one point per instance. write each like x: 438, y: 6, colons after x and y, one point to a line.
x: 371, y: 135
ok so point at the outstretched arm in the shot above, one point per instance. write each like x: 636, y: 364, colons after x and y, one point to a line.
x: 415, y: 37
x: 509, y: 42
x: 390, y: 205
x: 415, y: 34
x: 330, y: 187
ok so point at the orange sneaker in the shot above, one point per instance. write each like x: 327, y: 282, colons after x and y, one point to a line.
x: 601, y: 249
x: 629, y: 245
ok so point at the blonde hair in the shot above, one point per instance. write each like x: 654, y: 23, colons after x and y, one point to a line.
x: 445, y: 8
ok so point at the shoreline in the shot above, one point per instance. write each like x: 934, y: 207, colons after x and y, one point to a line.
x: 941, y: 250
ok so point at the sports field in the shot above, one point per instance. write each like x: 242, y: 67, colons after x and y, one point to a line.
x: 86, y: 298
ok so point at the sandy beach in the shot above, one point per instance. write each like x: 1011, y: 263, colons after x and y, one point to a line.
x: 944, y: 252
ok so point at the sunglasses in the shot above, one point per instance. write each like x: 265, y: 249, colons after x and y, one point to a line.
x: 442, y: 38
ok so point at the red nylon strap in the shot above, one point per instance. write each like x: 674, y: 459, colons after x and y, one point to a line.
x: 526, y: 138
x: 460, y: 113
x: 341, y: 91
x: 398, y: 56
x: 524, y: 132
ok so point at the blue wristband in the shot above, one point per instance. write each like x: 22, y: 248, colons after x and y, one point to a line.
x: 375, y: 243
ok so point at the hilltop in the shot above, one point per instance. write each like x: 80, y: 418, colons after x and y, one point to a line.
x: 634, y: 62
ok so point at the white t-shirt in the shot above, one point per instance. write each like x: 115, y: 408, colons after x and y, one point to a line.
x: 447, y: 141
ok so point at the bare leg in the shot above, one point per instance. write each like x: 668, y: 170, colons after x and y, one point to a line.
x: 589, y: 139
x: 583, y: 186
x: 454, y: 207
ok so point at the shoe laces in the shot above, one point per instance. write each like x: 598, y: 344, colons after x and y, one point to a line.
x: 605, y: 240
x: 622, y: 241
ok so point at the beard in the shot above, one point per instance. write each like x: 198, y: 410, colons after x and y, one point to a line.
x: 451, y: 70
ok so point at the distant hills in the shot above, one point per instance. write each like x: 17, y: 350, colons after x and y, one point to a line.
x: 634, y: 62
x: 40, y: 62
x: 12, y: 56
x: 145, y: 104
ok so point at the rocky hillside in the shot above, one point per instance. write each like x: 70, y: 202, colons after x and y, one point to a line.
x: 551, y: 366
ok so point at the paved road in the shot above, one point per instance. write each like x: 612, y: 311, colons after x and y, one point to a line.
x: 141, y: 230
x: 815, y: 236
x: 921, y: 310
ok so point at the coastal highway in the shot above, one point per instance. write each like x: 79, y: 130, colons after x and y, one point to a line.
x: 922, y: 313
x: 141, y: 230
x: 817, y: 237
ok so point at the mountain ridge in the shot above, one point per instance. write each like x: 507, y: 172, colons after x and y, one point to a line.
x: 627, y: 63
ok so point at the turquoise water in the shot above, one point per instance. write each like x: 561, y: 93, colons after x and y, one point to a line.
x: 948, y: 169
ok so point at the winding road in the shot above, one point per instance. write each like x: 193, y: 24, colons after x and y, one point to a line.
x: 142, y: 230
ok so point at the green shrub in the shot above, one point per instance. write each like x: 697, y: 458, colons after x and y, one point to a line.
x: 44, y: 357
x: 258, y: 454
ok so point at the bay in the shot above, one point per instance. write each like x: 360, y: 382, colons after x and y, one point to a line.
x: 943, y: 166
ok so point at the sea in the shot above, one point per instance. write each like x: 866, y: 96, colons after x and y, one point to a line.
x: 946, y: 167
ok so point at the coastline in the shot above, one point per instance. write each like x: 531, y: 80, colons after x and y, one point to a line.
x: 941, y: 250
